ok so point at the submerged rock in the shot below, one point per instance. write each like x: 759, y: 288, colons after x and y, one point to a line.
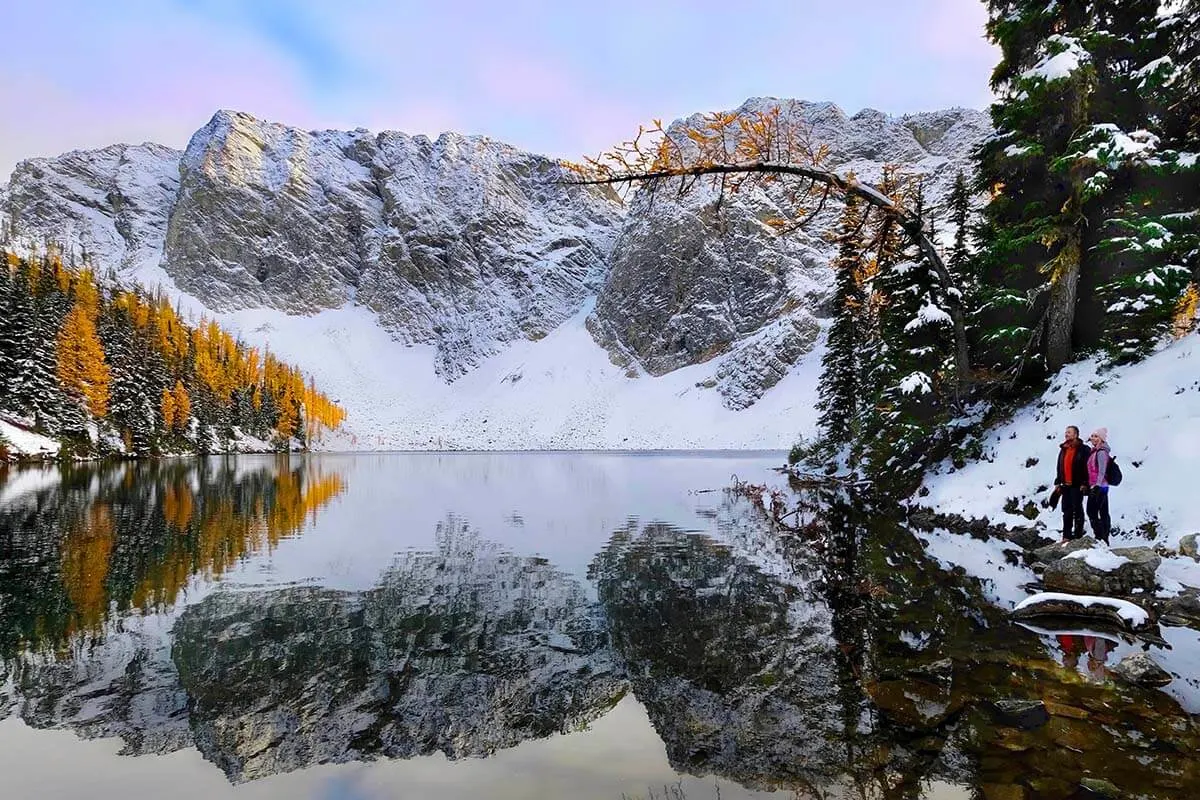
x: 1183, y: 610
x: 1024, y: 714
x: 1099, y: 788
x: 1141, y: 670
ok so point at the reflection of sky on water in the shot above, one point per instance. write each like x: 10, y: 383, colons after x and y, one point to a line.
x: 619, y: 753
x: 561, y: 506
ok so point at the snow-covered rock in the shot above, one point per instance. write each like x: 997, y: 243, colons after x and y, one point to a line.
x: 394, y: 267
x: 1104, y: 571
x: 1109, y: 609
x: 693, y: 279
x: 110, y: 204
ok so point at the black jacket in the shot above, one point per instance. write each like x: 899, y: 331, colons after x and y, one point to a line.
x: 1079, y: 473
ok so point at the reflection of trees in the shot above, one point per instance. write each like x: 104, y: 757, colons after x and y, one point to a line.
x: 848, y: 664
x: 931, y: 656
x: 114, y: 537
x: 464, y: 650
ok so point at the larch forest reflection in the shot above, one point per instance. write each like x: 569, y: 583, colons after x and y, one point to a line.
x: 121, y: 537
x: 837, y: 661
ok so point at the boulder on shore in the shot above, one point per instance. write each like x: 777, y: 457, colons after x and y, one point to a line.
x: 1120, y: 571
x: 1108, y: 611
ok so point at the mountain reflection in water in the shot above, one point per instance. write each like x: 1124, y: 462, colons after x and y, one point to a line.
x: 144, y: 602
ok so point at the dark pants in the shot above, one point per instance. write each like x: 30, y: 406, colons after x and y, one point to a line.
x: 1097, y: 511
x: 1072, y: 508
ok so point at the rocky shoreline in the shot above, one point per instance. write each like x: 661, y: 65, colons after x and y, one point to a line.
x: 1079, y: 577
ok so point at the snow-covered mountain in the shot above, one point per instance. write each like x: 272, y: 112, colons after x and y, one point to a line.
x: 459, y: 293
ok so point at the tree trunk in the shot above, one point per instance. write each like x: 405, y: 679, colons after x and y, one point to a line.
x: 1060, y: 318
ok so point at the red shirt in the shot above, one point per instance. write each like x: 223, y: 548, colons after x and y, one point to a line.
x: 1068, y: 462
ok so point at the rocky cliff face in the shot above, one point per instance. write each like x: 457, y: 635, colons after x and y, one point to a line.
x: 112, y: 204
x: 463, y: 242
x: 692, y: 279
x: 468, y: 245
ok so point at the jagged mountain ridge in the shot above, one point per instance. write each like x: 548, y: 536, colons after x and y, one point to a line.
x: 469, y: 247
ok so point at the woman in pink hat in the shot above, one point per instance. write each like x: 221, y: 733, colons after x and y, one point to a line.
x: 1097, y: 495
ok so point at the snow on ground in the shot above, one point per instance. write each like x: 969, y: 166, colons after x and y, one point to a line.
x: 561, y: 392
x: 21, y: 441
x: 1152, y: 412
x: 1175, y: 573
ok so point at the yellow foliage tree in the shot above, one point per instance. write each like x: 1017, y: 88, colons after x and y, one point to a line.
x: 183, y: 405
x: 82, y: 368
x: 1187, y: 312
x: 168, y: 409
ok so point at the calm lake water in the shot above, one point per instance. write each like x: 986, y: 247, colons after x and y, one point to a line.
x: 522, y: 626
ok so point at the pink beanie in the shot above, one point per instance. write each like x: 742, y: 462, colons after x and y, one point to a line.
x: 1102, y: 433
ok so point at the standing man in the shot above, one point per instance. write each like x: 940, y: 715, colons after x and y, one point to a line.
x: 1071, y: 477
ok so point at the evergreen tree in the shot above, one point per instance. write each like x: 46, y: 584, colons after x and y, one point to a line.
x: 36, y: 386
x: 912, y: 363
x: 839, y: 390
x: 128, y: 401
x: 1076, y: 241
x: 14, y: 325
x: 959, y: 208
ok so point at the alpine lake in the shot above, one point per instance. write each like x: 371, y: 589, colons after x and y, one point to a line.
x: 529, y: 625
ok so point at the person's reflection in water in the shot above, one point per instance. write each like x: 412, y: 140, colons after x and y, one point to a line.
x: 1098, y: 649
x: 1071, y: 647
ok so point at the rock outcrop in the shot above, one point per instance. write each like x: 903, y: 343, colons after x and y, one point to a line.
x: 693, y: 279
x: 1120, y: 571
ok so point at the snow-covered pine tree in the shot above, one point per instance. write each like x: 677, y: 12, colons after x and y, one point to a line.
x: 909, y: 374
x: 129, y: 408
x: 1076, y: 244
x: 1031, y: 234
x: 839, y: 390
x: 36, y: 387
x: 10, y: 341
x: 1135, y: 173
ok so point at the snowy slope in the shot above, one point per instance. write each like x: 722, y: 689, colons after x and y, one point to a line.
x: 1152, y: 412
x: 24, y: 442
x: 560, y: 392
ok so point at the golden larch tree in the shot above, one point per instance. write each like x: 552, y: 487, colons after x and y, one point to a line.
x: 168, y: 409
x: 82, y: 368
x: 183, y: 405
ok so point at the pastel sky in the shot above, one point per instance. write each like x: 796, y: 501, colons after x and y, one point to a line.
x: 559, y: 77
